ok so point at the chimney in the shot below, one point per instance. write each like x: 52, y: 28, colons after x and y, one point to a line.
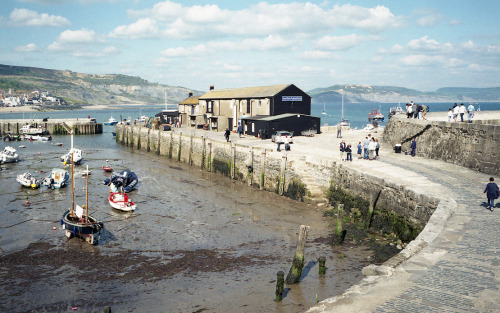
x: 190, y: 94
x: 211, y: 87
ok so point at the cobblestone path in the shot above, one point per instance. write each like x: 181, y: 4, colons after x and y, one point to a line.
x: 466, y: 279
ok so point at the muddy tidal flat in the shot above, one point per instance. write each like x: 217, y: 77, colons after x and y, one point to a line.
x: 198, y: 242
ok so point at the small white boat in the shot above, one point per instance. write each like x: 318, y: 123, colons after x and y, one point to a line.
x: 120, y: 201
x: 27, y: 180
x: 86, y: 172
x: 58, y: 178
x: 9, y: 155
x: 111, y: 121
x: 77, y: 154
x: 33, y: 130
x: 37, y: 138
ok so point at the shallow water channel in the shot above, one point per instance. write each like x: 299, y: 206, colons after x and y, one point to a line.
x: 197, y: 242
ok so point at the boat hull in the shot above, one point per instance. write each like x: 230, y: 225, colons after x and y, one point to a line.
x: 76, y: 227
x: 120, y: 201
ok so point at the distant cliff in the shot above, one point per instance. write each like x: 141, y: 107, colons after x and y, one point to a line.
x: 391, y: 94
x: 80, y: 88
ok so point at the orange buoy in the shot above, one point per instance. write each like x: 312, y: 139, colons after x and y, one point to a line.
x: 54, y: 228
x: 27, y: 202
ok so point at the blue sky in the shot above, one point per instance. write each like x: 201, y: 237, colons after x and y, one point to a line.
x: 419, y: 44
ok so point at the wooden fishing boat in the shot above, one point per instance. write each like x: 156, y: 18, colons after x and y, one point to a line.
x: 375, y: 115
x: 27, y: 180
x: 121, y: 201
x: 77, y: 222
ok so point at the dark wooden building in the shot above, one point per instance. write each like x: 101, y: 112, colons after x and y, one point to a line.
x: 266, y: 126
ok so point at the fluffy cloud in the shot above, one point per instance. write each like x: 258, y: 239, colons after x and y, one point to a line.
x: 27, y: 48
x: 317, y: 55
x: 143, y: 28
x: 25, y: 17
x: 173, y: 20
x: 341, y: 42
x: 77, y: 42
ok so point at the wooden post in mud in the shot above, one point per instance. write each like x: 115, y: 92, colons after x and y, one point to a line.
x: 262, y: 169
x: 250, y: 167
x: 190, y: 161
x: 179, y: 149
x: 322, y: 268
x: 209, y: 158
x: 338, y: 236
x: 370, y: 213
x: 158, y: 144
x: 280, y: 283
x: 233, y: 160
x: 281, y: 186
x: 203, y: 153
x: 298, y: 260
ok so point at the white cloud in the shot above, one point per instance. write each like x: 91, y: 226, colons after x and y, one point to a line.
x: 341, y: 42
x: 422, y: 60
x: 108, y: 51
x: 196, y: 51
x: 143, y: 28
x: 173, y: 20
x: 429, y: 17
x: 268, y: 43
x: 27, y: 48
x: 25, y: 17
x: 317, y: 55
x: 71, y: 39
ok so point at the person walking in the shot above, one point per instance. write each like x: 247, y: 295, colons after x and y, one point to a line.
x: 342, y: 150
x: 462, y: 110
x: 413, y: 147
x: 359, y: 150
x: 492, y: 193
x: 279, y: 140
x: 470, y: 111
x: 348, y: 150
x: 339, y: 131
x: 226, y: 134
x: 240, y: 130
x: 450, y: 114
x: 366, y: 143
x: 371, y: 147
x: 455, y: 112
x: 377, y: 147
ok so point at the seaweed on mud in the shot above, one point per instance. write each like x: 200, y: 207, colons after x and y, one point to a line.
x: 41, y: 260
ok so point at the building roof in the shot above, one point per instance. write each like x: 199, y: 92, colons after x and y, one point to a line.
x: 245, y: 92
x: 274, y: 117
x: 190, y: 101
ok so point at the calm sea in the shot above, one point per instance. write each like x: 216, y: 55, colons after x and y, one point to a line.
x: 357, y: 113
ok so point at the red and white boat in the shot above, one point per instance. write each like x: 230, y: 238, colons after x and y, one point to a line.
x: 121, y: 201
x: 107, y: 168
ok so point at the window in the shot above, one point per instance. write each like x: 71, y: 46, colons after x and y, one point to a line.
x: 210, y: 107
x: 248, y: 106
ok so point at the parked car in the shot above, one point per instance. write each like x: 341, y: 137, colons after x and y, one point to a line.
x: 283, y: 133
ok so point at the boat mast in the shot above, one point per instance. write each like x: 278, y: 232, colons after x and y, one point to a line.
x: 342, y: 107
x: 87, y: 198
x: 165, y: 98
x: 72, y: 187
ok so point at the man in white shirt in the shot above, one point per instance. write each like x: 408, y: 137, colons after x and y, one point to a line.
x: 462, y: 110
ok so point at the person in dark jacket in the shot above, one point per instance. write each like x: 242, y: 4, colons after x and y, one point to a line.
x: 226, y: 134
x: 492, y: 193
x: 413, y: 147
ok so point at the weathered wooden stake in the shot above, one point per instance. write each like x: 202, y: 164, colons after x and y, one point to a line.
x: 209, y: 158
x: 250, y: 167
x: 233, y: 160
x: 371, y: 207
x: 298, y: 260
x: 281, y: 186
x: 280, y: 283
x: 322, y: 268
x: 262, y: 169
x: 338, y: 236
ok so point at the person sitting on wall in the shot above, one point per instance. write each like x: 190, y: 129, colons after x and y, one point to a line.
x: 287, y: 144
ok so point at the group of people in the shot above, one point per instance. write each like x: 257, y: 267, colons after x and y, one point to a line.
x: 368, y: 149
x: 418, y: 111
x: 461, y: 110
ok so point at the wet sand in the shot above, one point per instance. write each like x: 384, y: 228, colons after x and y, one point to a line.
x: 197, y: 242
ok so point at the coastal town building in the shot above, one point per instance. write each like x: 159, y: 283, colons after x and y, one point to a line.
x: 267, y: 108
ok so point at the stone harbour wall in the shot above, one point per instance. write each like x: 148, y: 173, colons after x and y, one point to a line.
x: 472, y: 145
x: 277, y: 172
